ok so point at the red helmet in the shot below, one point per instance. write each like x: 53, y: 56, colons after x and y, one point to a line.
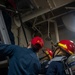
x: 37, y: 40
x: 68, y: 46
x: 49, y: 52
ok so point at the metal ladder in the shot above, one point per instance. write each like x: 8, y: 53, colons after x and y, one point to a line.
x: 4, y: 37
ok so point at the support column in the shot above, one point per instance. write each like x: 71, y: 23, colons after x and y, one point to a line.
x: 56, y: 32
x: 3, y: 30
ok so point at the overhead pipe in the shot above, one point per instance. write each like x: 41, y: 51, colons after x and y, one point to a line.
x: 18, y: 30
x: 48, y: 28
x: 54, y: 17
x: 7, y: 9
x: 33, y: 15
x: 71, y: 8
x: 20, y: 18
x: 38, y: 30
x: 34, y: 27
x: 20, y: 22
x: 56, y: 32
x: 23, y: 27
x: 38, y: 13
x: 56, y: 28
x: 35, y: 4
x: 48, y: 38
x: 50, y: 7
x: 53, y: 14
x: 54, y: 3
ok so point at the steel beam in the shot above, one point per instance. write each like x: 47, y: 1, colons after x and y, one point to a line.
x: 38, y: 13
x: 3, y: 30
x: 43, y: 16
x: 35, y: 3
x: 72, y: 8
x: 54, y: 17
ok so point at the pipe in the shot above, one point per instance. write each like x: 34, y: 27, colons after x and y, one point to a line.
x: 19, y: 15
x: 23, y: 27
x: 18, y: 35
x: 36, y: 27
x: 38, y: 31
x: 56, y: 32
x: 54, y: 17
x: 54, y: 3
x: 34, y: 14
x: 39, y: 12
x: 48, y: 38
x: 48, y: 29
x: 35, y: 4
x: 50, y: 7
x: 4, y: 7
x: 72, y: 8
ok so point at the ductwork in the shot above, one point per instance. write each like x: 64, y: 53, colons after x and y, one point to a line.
x: 34, y: 14
x: 30, y: 16
x: 69, y: 21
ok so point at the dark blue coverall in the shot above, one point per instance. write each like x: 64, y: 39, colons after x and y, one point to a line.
x: 22, y: 61
x: 56, y: 67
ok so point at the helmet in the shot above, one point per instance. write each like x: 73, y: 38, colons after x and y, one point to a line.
x: 37, y: 40
x: 49, y: 53
x: 71, y: 64
x: 67, y: 45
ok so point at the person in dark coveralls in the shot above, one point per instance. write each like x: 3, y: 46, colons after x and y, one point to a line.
x: 48, y: 56
x: 23, y: 61
x: 71, y: 64
x: 64, y: 49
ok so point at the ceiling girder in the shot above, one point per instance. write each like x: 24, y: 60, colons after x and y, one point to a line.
x: 54, y: 17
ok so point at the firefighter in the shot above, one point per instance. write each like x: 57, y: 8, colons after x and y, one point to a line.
x: 71, y: 64
x: 64, y: 49
x: 48, y: 56
x: 23, y: 61
x: 49, y: 53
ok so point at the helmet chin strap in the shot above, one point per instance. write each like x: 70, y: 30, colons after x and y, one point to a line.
x: 67, y: 54
x: 58, y: 52
x: 55, y: 51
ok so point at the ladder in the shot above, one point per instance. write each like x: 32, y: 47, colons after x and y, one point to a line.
x: 4, y: 37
